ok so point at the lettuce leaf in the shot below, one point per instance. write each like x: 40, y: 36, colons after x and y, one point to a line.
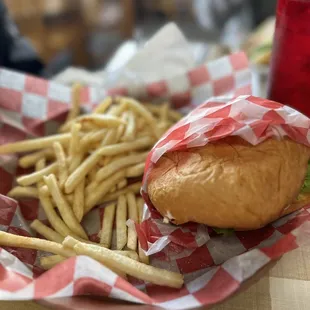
x: 223, y: 231
x: 306, y: 186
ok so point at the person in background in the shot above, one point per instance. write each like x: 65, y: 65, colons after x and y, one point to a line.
x: 16, y: 52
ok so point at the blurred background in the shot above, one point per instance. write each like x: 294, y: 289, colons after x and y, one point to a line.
x: 96, y: 34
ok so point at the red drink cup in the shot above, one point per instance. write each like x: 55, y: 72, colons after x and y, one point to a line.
x: 289, y: 81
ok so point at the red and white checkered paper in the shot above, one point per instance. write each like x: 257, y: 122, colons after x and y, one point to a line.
x: 213, y: 271
x: 251, y: 118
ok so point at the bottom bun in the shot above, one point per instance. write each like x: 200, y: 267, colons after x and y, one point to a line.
x: 230, y: 183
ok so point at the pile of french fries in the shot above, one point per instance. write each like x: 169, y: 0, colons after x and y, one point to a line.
x: 93, y: 160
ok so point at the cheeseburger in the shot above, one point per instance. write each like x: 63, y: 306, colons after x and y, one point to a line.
x: 231, y: 184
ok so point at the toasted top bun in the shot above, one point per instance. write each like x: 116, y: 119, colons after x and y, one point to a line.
x: 230, y: 183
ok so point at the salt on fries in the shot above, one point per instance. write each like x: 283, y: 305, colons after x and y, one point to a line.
x: 92, y: 161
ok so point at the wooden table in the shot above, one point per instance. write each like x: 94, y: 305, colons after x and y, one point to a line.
x: 285, y: 286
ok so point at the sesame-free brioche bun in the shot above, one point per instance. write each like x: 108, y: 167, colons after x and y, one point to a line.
x: 230, y: 183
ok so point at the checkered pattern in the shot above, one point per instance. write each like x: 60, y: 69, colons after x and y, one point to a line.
x: 32, y: 106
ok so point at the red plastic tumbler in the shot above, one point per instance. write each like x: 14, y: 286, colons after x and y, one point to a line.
x: 289, y: 80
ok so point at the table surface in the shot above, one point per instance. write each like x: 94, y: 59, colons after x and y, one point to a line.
x: 286, y: 286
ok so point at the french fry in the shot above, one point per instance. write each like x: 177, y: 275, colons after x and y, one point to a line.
x: 135, y: 188
x: 156, y: 109
x: 40, y: 164
x: 142, y: 257
x: 109, y: 159
x: 131, y: 254
x: 119, y: 109
x: 141, y: 110
x: 75, y: 140
x: 107, y: 226
x: 56, y: 222
x: 99, y: 120
x: 43, y: 190
x: 133, y: 215
x: 121, y: 129
x: 144, y: 133
x: 129, y: 266
x: 104, y: 105
x: 31, y: 159
x: 84, y: 141
x: 163, y: 127
x: 121, y: 218
x: 130, y: 130
x: 118, y: 164
x: 164, y: 109
x: 101, y: 161
x: 37, y: 176
x: 70, y: 242
x: 89, y: 127
x: 78, y: 201
x: 46, y: 232
x: 61, y: 163
x: 48, y: 262
x: 23, y: 192
x: 94, y: 122
x: 81, y: 171
x: 91, y: 187
x: 70, y: 198
x: 110, y: 137
x: 113, y: 110
x: 75, y: 161
x: 140, y: 124
x: 11, y: 240
x: 90, y: 162
x: 135, y: 171
x: 63, y: 207
x: 121, y: 184
x: 93, y: 172
x: 34, y: 144
x: 113, y: 189
x: 76, y: 102
x: 102, y: 189
x: 175, y: 116
x: 93, y: 137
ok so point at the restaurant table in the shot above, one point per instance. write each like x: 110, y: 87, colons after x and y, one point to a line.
x: 285, y: 286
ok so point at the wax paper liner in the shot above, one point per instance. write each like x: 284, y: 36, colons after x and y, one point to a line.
x: 251, y: 118
x: 213, y: 271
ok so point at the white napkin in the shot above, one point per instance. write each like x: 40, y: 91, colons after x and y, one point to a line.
x: 166, y: 54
